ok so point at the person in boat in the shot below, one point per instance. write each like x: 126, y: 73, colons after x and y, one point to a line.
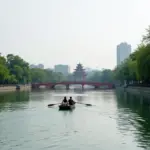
x: 71, y: 101
x: 65, y: 102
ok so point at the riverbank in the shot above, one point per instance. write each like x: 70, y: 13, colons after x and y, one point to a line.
x: 143, y: 91
x: 13, y: 88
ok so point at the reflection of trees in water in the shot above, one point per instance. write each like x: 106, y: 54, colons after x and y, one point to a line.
x: 134, y: 116
x: 13, y: 100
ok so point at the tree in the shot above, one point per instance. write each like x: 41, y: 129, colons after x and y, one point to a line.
x: 12, y: 79
x: 37, y: 75
x: 146, y: 38
x: 58, y: 77
x: 122, y: 72
x: 44, y: 75
x: 107, y: 75
x: 95, y: 77
x: 143, y: 62
x: 18, y: 68
x: 133, y: 74
x: 137, y: 66
x: 2, y: 60
x: 4, y: 74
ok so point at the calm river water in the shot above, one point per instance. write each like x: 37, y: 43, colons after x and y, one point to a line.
x: 118, y: 121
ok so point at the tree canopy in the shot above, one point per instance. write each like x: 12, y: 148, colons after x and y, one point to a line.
x: 13, y: 69
x: 136, y: 67
x: 44, y: 75
x: 105, y: 75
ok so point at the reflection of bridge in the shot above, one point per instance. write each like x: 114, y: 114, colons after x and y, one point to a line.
x: 68, y: 83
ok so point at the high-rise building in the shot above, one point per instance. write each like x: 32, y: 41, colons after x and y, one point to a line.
x: 123, y: 52
x: 64, y: 69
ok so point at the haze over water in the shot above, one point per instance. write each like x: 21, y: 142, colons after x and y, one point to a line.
x: 116, y: 121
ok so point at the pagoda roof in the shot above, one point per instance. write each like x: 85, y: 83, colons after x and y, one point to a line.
x: 79, y: 65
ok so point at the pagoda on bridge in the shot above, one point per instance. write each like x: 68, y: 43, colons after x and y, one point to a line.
x: 79, y: 73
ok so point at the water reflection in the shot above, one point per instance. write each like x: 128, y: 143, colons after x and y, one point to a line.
x: 13, y: 100
x: 134, y: 117
x: 65, y: 113
x: 115, y: 121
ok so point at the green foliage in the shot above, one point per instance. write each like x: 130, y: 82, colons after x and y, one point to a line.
x: 95, y: 77
x: 18, y: 68
x: 2, y: 60
x: 43, y: 75
x: 12, y: 79
x: 13, y: 69
x: 143, y: 62
x: 37, y: 75
x: 146, y: 38
x: 105, y: 75
x: 137, y: 66
x: 127, y: 71
x: 4, y: 73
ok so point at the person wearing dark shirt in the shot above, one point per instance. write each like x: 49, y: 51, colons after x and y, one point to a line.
x: 71, y: 102
x: 65, y: 101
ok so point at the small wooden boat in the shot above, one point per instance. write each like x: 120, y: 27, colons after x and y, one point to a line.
x: 66, y: 107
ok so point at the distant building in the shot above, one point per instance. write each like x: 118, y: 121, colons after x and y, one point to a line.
x: 123, y: 52
x: 41, y: 66
x: 33, y: 66
x: 64, y: 69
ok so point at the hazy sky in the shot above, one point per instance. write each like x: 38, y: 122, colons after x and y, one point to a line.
x: 71, y: 31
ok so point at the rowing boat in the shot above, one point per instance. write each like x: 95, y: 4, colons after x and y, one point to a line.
x: 66, y: 107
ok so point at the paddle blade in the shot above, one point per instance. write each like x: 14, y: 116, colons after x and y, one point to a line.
x: 51, y: 104
x: 84, y: 104
x: 88, y: 104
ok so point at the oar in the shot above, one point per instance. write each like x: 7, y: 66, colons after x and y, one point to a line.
x: 53, y: 104
x: 85, y: 104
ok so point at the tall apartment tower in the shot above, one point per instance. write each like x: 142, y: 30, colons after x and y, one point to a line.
x: 123, y: 52
x: 64, y: 69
